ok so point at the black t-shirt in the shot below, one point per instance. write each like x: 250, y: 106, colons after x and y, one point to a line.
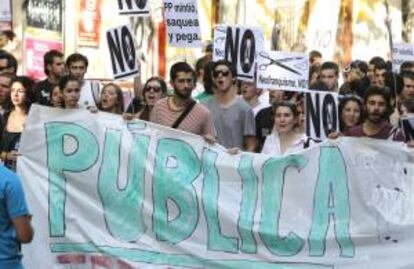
x: 264, y: 126
x: 42, y: 92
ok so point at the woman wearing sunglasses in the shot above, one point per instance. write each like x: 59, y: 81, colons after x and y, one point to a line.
x: 154, y: 89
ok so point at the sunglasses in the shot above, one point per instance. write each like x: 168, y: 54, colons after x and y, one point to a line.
x: 216, y: 74
x: 154, y: 89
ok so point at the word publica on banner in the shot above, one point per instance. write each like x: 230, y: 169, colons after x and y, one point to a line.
x: 331, y: 194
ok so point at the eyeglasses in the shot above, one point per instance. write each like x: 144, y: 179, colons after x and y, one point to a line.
x: 154, y: 89
x: 216, y: 74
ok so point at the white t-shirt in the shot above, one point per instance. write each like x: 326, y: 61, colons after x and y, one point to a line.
x: 90, y: 94
x: 272, y: 145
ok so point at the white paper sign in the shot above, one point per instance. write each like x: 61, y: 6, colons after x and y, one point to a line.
x: 105, y: 193
x: 321, y: 113
x: 239, y: 45
x: 5, y: 11
x: 121, y: 46
x: 282, y: 70
x: 183, y: 23
x: 401, y: 52
x: 134, y: 7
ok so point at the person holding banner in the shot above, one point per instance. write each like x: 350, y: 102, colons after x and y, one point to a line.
x: 154, y: 89
x: 20, y: 99
x: 77, y: 65
x: 112, y: 99
x: 377, y: 106
x: 180, y: 111
x: 70, y: 89
x: 350, y: 112
x: 284, y: 139
x: 15, y: 227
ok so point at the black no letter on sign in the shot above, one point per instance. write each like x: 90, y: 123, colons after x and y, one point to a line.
x: 133, y: 7
x: 121, y: 47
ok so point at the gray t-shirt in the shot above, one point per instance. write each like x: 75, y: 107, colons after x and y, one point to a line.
x: 232, y: 123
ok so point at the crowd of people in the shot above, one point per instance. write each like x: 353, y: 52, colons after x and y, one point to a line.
x: 209, y: 101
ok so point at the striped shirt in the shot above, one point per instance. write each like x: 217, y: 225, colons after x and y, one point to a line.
x: 199, y: 121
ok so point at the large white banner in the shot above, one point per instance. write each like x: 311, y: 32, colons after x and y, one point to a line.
x: 109, y: 194
x: 401, y: 52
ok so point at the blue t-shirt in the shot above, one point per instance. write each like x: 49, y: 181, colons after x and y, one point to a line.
x: 12, y: 205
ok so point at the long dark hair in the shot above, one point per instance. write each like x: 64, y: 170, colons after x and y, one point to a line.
x: 342, y: 103
x: 28, y: 85
x: 145, y: 114
x: 119, y: 98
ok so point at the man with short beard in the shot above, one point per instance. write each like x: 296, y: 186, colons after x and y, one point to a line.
x: 180, y: 110
x: 377, y: 111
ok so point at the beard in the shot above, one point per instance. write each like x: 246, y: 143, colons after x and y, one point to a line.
x: 183, y: 94
x: 377, y: 117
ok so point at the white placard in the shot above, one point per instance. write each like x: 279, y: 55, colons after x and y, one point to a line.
x: 183, y: 23
x: 5, y: 11
x: 401, y: 52
x: 282, y: 70
x: 121, y: 46
x: 134, y: 7
x: 321, y: 113
x: 239, y: 45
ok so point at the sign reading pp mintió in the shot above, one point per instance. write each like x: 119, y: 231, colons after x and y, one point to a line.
x: 115, y: 194
x: 240, y: 46
x: 282, y: 70
x: 183, y: 23
x: 401, y: 52
x: 121, y: 46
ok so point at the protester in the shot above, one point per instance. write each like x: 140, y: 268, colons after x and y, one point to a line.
x: 180, y: 111
x: 5, y: 84
x: 207, y: 83
x: 252, y: 94
x: 284, y: 138
x: 8, y: 63
x: 55, y: 97
x: 315, y: 58
x: 314, y: 72
x: 375, y: 61
x: 350, y: 112
x: 407, y: 66
x: 408, y: 86
x: 329, y: 75
x: 199, y: 68
x: 264, y: 118
x: 54, y: 68
x: 77, y: 65
x: 154, y: 89
x: 380, y: 71
x: 15, y: 227
x: 20, y: 99
x: 233, y: 117
x: 70, y: 88
x: 377, y: 108
x: 112, y: 99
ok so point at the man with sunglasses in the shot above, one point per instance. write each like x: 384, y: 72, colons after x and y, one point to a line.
x: 233, y: 117
x: 180, y: 110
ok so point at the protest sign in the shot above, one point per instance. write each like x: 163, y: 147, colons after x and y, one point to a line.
x: 321, y: 33
x: 183, y: 27
x: 240, y: 46
x: 121, y: 46
x: 407, y: 124
x: 401, y: 52
x: 134, y: 7
x: 107, y: 193
x: 321, y: 113
x: 282, y: 70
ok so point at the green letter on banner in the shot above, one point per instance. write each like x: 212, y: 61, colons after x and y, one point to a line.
x: 331, y: 199
x: 216, y: 241
x: 123, y: 207
x: 248, y: 204
x: 176, y: 167
x: 81, y: 157
x: 273, y: 181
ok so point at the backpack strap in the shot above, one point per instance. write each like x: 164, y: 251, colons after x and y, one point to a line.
x: 95, y: 89
x: 186, y: 111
